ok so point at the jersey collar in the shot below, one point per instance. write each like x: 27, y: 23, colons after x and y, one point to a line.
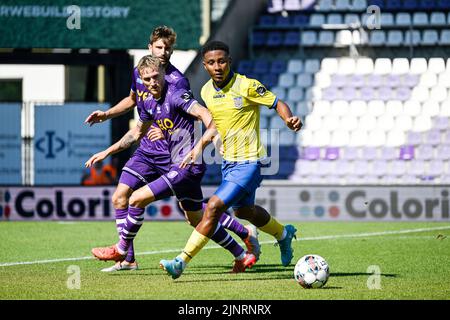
x: 227, y: 82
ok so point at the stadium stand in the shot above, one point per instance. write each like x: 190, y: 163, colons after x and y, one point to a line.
x: 380, y: 116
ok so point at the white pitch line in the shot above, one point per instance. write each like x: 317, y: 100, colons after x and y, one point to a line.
x: 331, y: 237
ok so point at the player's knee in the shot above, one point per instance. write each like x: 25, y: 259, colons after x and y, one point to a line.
x: 119, y: 200
x: 213, y: 207
x: 136, y: 200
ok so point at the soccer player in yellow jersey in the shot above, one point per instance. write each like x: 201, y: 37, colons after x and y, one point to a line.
x: 234, y: 103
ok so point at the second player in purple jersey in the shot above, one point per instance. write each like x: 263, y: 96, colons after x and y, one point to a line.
x: 173, y: 78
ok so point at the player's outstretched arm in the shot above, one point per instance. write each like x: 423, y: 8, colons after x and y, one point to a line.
x: 292, y: 122
x: 125, y: 105
x: 210, y: 134
x: 132, y: 136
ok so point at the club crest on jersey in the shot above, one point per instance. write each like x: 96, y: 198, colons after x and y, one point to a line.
x: 238, y: 102
x: 158, y: 109
x: 261, y: 90
x: 187, y: 96
x: 172, y: 174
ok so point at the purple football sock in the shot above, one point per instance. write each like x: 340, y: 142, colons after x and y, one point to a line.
x: 222, y: 238
x: 132, y: 224
x: 121, y: 215
x: 230, y: 223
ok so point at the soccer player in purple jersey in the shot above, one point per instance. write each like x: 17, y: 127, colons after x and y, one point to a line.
x: 152, y: 159
x: 175, y: 111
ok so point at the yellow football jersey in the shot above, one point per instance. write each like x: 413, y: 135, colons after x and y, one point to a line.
x: 235, y: 110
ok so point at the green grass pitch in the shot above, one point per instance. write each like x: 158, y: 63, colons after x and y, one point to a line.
x: 38, y: 261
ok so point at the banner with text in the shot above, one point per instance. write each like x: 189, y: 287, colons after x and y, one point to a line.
x: 96, y: 24
x: 10, y: 144
x: 73, y: 203
x: 63, y: 142
x: 286, y: 202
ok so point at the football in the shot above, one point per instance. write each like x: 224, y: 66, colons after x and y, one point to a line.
x: 311, y: 271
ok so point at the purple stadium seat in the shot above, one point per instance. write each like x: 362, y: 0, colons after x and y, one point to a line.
x: 425, y: 152
x: 389, y: 153
x: 386, y: 93
x: 311, y: 153
x: 436, y: 168
x: 447, y: 137
x: 350, y: 153
x: 411, y: 80
x: 433, y: 137
x: 409, y: 179
x: 414, y: 138
x: 338, y: 80
x: 403, y: 93
x: 324, y: 168
x: 349, y: 93
x: 304, y: 167
x: 356, y: 80
x: 417, y: 167
x: 441, y: 123
x: 360, y: 167
x: 342, y: 167
x: 392, y: 80
x: 330, y: 94
x: 367, y: 94
x: 369, y: 153
x: 443, y: 152
x: 397, y: 168
x: 331, y: 153
x: 374, y: 80
x: 379, y: 168
x: 407, y: 152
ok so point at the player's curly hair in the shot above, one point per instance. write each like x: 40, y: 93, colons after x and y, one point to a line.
x: 215, y: 45
x: 163, y: 32
x: 149, y: 61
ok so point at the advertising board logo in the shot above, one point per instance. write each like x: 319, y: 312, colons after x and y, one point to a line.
x: 326, y: 203
x: 50, y: 144
x: 5, y: 209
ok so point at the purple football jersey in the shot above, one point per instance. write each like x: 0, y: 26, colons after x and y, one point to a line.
x: 174, y: 78
x: 170, y: 113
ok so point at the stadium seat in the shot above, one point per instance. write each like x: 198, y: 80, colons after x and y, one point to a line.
x: 342, y: 5
x: 424, y: 152
x: 352, y: 19
x: 410, y: 4
x: 395, y: 138
x: 295, y: 94
x: 430, y: 37
x: 441, y: 123
x: 384, y: 66
x: 261, y: 66
x: 312, y: 65
x: 412, y: 108
x: 324, y: 5
x: 291, y: 38
x: 422, y: 123
x: 400, y: 66
x: 334, y: 18
x: 438, y: 19
x: 428, y: 79
x: 295, y: 66
x: 339, y: 138
x: 412, y: 37
x: 308, y: 38
x: 377, y: 38
x: 389, y: 153
x: 286, y: 80
x: 414, y: 138
x: 433, y: 137
x: 258, y: 38
x: 304, y: 80
x: 317, y: 20
x: 436, y: 65
x: 427, y: 5
x: 376, y: 138
x: 350, y: 153
x: 394, y: 5
x: 274, y: 39
x: 394, y: 108
x: 430, y: 108
x: 311, y: 153
x: 420, y: 19
x: 322, y: 80
x: 395, y: 38
x: 266, y: 20
x: 407, y: 152
x: 403, y: 19
x: 358, y: 5
x: 326, y: 38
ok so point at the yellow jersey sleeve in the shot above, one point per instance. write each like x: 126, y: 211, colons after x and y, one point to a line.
x: 257, y: 93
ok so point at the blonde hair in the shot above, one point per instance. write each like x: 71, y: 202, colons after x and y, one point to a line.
x: 149, y: 61
x: 163, y: 32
